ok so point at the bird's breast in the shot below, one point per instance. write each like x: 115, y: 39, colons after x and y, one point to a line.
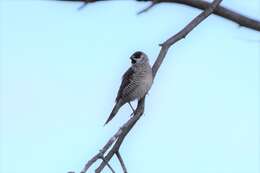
x: 145, y: 80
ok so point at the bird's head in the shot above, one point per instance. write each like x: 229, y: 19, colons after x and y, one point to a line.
x: 139, y: 58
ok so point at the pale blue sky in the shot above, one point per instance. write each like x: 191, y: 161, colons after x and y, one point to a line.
x: 61, y: 69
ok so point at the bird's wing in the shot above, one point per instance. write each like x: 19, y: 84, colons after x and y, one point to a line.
x: 126, y: 80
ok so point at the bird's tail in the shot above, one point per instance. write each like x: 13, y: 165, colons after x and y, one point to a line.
x: 114, y: 111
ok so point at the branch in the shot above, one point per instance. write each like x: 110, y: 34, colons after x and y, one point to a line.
x: 112, y: 170
x: 129, y: 125
x: 120, y: 135
x: 153, y: 3
x: 182, y: 34
x: 224, y: 12
x: 121, y: 161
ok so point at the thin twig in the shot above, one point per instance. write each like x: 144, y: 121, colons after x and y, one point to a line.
x: 102, y: 151
x: 148, y: 7
x: 82, y: 6
x: 90, y: 162
x: 121, y: 161
x: 131, y: 107
x: 108, y: 165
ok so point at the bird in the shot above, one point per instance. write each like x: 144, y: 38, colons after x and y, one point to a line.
x: 135, y: 84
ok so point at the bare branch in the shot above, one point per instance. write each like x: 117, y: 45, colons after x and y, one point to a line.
x: 125, y: 129
x: 83, y: 6
x: 118, y: 137
x: 103, y: 150
x: 148, y: 8
x: 182, y: 34
x: 224, y: 12
x: 121, y: 161
x: 104, y: 160
x: 90, y: 162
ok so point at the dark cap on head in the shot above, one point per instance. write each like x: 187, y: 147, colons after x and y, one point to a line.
x: 137, y: 55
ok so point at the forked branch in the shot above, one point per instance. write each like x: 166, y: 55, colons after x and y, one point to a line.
x: 113, y: 145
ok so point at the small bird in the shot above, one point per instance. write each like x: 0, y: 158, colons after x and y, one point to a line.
x: 136, y: 82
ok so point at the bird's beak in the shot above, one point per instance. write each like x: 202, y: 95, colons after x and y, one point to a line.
x: 133, y: 61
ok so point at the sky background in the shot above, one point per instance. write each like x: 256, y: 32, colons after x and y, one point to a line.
x: 61, y: 69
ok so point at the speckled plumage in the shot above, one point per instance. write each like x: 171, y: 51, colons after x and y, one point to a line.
x: 136, y: 82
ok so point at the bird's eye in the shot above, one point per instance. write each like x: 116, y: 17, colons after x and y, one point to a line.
x: 137, y: 55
